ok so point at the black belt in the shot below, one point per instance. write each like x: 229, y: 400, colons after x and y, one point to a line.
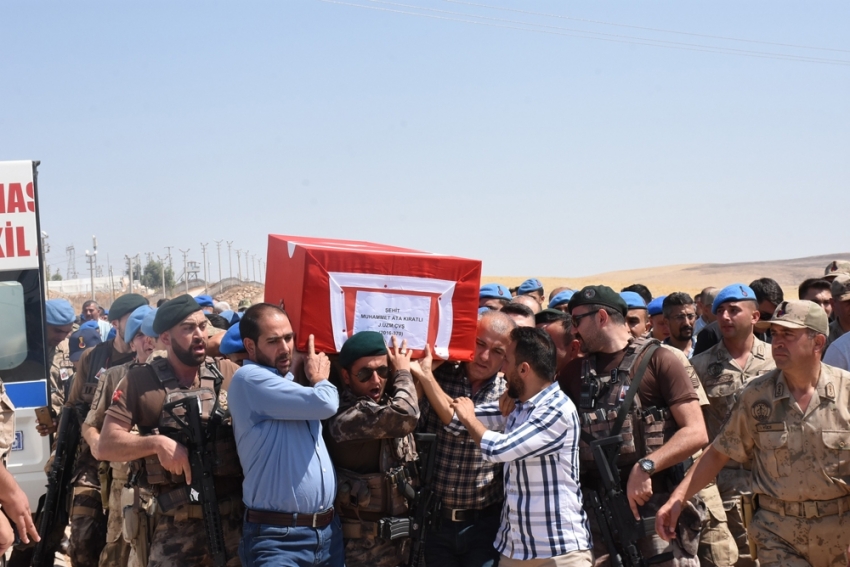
x: 319, y: 520
x: 456, y: 515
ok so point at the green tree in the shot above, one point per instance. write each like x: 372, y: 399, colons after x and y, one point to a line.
x: 57, y: 277
x: 152, y: 277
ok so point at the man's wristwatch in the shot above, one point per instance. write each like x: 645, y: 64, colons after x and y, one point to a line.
x: 647, y: 466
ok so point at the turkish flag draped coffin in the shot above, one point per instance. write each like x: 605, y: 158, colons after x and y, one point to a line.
x: 335, y: 288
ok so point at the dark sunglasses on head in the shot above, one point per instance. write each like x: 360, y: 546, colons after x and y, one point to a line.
x: 365, y: 374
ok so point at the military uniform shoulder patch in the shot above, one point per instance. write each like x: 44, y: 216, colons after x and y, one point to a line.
x: 222, y: 399
x: 761, y: 411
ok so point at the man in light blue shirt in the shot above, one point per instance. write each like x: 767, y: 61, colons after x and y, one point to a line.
x: 289, y: 485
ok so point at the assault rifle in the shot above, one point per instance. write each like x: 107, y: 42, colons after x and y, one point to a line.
x: 53, y: 511
x: 620, y: 531
x: 424, y: 503
x: 201, y: 459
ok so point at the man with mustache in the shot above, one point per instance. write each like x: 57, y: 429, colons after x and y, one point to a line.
x: 179, y: 537
x: 680, y: 314
x: 290, y: 484
x: 370, y: 440
x: 793, y: 425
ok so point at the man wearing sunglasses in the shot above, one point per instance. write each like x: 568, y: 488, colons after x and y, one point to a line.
x: 370, y: 440
x: 662, y: 414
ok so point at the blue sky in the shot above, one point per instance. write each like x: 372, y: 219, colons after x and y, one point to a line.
x: 175, y: 123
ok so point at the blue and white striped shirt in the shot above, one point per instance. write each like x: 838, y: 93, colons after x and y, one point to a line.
x: 542, y: 515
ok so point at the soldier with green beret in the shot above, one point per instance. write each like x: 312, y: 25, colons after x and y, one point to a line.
x: 370, y: 440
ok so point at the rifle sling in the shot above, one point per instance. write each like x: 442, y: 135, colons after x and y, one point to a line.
x: 634, y: 385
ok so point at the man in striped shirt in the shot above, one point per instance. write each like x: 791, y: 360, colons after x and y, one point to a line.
x: 543, y: 523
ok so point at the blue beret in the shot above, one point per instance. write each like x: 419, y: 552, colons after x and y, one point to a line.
x: 90, y: 325
x: 655, y: 306
x: 204, y: 300
x: 230, y: 316
x: 528, y: 286
x: 59, y: 312
x: 81, y: 340
x: 562, y: 297
x: 494, y: 291
x: 483, y: 310
x: 232, y: 343
x: 147, y: 324
x: 734, y: 292
x: 633, y: 300
x: 134, y: 323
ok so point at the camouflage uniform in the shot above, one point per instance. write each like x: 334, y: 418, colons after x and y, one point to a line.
x: 370, y: 443
x: 717, y: 547
x: 116, y: 552
x: 800, y: 465
x: 724, y: 380
x: 61, y: 370
x: 7, y: 424
x: 176, y: 533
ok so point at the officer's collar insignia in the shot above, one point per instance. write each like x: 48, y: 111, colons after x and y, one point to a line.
x: 830, y: 390
x: 779, y: 390
x: 761, y: 411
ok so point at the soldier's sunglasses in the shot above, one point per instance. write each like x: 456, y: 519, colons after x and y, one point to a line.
x: 365, y: 374
x: 577, y: 318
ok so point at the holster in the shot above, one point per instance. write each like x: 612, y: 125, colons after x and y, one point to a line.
x: 104, y: 473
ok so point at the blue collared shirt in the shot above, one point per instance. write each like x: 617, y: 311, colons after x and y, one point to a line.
x: 278, y: 429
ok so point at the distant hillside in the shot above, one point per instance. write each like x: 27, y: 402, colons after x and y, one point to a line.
x: 694, y: 277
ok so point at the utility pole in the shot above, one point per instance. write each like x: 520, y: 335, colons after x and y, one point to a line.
x: 204, y: 253
x: 130, y: 265
x: 218, y: 248
x: 239, y: 263
x: 170, y: 262
x: 185, y: 268
x: 111, y: 281
x: 92, y: 257
x: 45, y: 248
x: 162, y: 271
x: 229, y: 259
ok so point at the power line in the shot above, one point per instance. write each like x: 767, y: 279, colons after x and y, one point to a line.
x: 583, y: 35
x: 707, y: 36
x: 628, y: 38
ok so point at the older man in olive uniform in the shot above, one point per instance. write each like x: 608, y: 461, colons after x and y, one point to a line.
x: 371, y: 444
x: 725, y: 369
x: 793, y: 423
x: 179, y: 536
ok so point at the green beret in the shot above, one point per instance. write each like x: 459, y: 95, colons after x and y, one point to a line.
x: 364, y: 343
x: 126, y: 303
x: 173, y: 311
x: 598, y: 295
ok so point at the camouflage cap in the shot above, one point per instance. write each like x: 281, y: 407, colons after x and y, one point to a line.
x: 244, y: 303
x: 837, y: 267
x: 841, y: 287
x: 800, y: 314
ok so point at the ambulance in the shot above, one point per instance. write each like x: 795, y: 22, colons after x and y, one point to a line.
x: 24, y: 368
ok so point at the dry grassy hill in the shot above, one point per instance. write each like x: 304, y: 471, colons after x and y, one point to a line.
x: 694, y: 277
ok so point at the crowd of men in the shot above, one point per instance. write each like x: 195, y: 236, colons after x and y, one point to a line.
x: 591, y: 427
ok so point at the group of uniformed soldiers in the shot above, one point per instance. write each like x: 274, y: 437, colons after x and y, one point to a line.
x: 132, y: 506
